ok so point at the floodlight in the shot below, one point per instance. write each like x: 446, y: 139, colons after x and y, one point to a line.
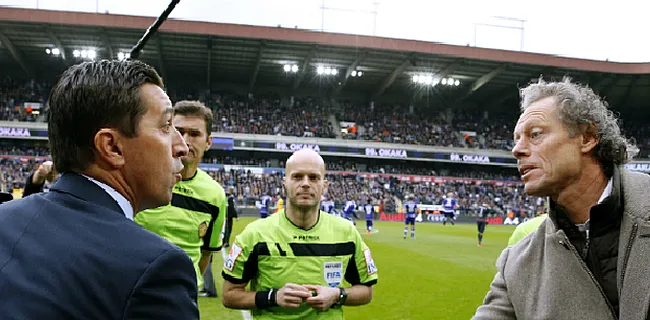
x: 56, y: 51
x: 359, y: 74
x: 457, y: 82
x: 320, y: 70
x: 76, y: 53
x: 287, y: 68
x: 444, y: 81
x: 334, y: 72
x: 47, y: 51
x: 416, y: 78
x: 354, y: 73
x: 92, y: 54
x: 294, y: 68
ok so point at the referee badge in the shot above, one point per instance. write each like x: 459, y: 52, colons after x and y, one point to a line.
x: 203, y: 229
x: 333, y: 273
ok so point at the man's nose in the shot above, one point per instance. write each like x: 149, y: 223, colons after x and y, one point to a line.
x: 520, y: 149
x: 179, y: 147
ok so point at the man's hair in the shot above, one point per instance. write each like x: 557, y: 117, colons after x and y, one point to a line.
x: 583, y: 111
x: 195, y: 109
x: 91, y: 96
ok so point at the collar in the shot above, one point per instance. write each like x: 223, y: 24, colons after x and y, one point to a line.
x: 284, y: 214
x: 78, y: 186
x: 584, y: 227
x: 119, y: 198
x: 604, y: 215
x: 607, y: 192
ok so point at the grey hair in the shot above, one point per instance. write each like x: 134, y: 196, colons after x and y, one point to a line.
x: 583, y: 111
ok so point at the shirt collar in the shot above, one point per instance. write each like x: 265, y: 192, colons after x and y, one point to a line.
x: 119, y: 198
x: 607, y: 192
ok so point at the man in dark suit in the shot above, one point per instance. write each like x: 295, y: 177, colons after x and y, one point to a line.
x: 74, y: 252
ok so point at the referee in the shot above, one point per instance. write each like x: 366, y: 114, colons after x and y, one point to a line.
x: 296, y: 261
x: 194, y: 219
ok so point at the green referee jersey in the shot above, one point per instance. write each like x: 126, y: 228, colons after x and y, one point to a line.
x: 194, y: 219
x: 526, y: 228
x: 272, y: 252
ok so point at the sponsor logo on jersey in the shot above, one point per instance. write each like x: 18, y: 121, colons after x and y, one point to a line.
x: 234, y: 253
x: 183, y: 190
x: 370, y: 263
x: 306, y: 238
x: 333, y: 273
x: 203, y: 229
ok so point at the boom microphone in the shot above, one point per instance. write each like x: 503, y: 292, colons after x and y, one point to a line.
x: 137, y: 49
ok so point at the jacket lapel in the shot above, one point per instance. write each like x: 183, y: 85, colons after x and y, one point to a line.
x: 80, y: 187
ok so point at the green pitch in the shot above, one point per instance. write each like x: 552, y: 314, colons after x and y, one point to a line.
x: 442, y: 274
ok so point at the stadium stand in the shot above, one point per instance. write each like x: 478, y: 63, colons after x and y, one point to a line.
x: 252, y: 95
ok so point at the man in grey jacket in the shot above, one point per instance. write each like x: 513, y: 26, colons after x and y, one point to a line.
x: 590, y: 259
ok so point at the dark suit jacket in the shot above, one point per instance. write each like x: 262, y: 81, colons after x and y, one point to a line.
x: 72, y: 254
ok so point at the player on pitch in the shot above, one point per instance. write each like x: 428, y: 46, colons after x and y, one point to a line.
x: 296, y: 260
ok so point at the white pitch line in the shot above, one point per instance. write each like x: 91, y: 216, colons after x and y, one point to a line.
x: 246, y: 315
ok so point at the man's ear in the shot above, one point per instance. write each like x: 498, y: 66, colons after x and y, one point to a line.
x: 109, y: 147
x: 209, y: 144
x: 589, y: 139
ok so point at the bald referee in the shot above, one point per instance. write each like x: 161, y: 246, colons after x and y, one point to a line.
x: 296, y: 261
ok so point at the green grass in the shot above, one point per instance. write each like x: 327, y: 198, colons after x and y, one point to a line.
x: 440, y: 275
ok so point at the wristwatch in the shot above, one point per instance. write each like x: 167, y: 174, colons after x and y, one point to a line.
x: 342, y: 297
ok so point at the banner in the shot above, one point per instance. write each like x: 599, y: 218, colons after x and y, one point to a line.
x: 222, y: 143
x: 14, y: 132
x: 385, y: 153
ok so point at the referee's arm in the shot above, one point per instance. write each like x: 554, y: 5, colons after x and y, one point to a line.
x: 361, y: 274
x: 235, y: 296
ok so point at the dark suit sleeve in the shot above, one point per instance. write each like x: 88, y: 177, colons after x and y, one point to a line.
x: 31, y: 187
x: 166, y: 290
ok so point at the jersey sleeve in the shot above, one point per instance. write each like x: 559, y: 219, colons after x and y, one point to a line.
x: 240, y: 266
x: 212, y: 241
x: 361, y: 268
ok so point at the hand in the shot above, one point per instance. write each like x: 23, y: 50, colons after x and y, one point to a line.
x: 292, y: 295
x: 44, y: 171
x: 324, y: 298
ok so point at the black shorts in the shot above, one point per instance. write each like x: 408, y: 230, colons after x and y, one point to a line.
x: 481, y: 226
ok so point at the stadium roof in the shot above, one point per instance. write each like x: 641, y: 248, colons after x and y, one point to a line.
x: 195, y: 53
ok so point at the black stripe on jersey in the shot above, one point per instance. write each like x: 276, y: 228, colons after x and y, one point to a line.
x: 189, y: 203
x: 322, y: 249
x: 261, y: 249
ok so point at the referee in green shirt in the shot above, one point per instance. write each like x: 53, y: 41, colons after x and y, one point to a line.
x: 194, y: 219
x: 301, y: 263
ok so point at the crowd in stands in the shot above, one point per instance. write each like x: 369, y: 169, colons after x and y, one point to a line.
x: 272, y: 116
x: 14, y: 172
x: 395, y: 124
x: 13, y: 96
x: 17, y: 163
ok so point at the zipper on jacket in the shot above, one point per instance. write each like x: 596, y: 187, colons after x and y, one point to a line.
x: 585, y: 250
x: 591, y: 276
x: 627, y: 256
